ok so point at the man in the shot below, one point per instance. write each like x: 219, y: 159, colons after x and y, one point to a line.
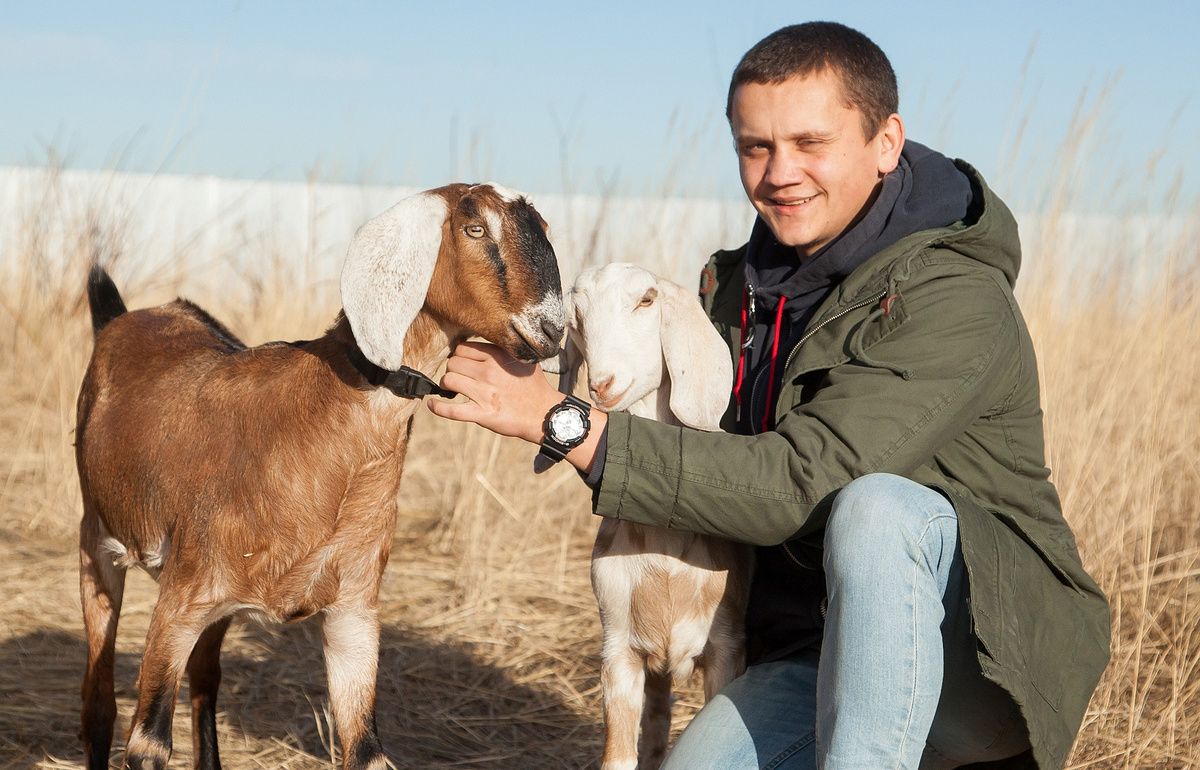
x: 918, y: 598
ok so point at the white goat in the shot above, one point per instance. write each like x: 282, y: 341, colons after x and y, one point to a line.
x: 668, y: 600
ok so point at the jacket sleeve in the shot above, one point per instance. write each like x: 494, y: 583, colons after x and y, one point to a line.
x: 957, y: 354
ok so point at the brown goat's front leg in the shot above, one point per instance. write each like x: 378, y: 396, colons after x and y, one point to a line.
x: 174, y: 628
x: 622, y: 680
x: 351, y: 661
x: 101, y: 586
x: 204, y: 678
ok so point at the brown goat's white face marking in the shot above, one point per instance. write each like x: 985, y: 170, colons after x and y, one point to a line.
x: 495, y: 226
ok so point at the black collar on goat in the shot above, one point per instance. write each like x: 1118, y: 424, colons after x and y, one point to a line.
x: 404, y: 382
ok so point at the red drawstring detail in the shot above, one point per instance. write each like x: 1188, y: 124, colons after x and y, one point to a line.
x: 774, y: 358
x: 741, y: 367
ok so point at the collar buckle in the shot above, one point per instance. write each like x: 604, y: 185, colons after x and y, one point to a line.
x: 407, y: 382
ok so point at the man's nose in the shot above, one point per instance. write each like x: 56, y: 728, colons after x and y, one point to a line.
x: 784, y: 168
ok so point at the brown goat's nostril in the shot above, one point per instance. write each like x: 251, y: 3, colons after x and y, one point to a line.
x: 554, y: 331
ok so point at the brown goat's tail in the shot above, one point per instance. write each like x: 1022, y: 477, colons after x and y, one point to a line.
x: 103, y: 298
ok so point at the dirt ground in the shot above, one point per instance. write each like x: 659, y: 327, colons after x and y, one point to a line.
x: 489, y: 648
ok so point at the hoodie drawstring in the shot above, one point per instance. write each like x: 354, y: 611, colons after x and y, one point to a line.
x: 740, y: 378
x: 741, y: 367
x: 774, y: 359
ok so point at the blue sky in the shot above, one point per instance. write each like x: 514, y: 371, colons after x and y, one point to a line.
x: 553, y: 96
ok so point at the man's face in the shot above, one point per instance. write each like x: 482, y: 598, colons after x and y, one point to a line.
x: 805, y: 163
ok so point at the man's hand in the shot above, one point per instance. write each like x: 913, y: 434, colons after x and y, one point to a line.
x: 508, y: 397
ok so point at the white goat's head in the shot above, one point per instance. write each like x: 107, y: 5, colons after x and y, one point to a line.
x: 636, y: 331
x: 475, y: 257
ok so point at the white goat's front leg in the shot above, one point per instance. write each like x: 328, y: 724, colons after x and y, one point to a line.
x: 622, y: 681
x: 656, y: 721
x: 725, y: 652
x: 351, y: 661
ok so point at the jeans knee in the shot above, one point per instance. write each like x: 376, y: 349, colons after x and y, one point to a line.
x: 881, y: 516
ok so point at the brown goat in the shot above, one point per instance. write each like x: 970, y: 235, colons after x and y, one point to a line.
x: 265, y: 479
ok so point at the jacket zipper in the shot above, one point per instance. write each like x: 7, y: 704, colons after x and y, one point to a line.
x: 788, y: 363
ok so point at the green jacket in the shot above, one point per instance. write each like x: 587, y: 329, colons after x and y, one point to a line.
x: 938, y: 384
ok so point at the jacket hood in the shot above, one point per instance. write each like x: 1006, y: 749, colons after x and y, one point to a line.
x: 987, y: 233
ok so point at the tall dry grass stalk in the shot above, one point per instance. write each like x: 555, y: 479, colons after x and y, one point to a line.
x: 490, y: 640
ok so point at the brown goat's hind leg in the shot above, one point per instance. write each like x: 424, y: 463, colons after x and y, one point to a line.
x: 204, y: 678
x: 351, y: 661
x: 101, y: 586
x: 174, y: 628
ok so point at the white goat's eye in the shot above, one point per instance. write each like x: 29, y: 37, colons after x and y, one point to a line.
x: 648, y: 298
x: 475, y: 231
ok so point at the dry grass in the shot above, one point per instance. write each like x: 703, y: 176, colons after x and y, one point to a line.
x: 490, y: 640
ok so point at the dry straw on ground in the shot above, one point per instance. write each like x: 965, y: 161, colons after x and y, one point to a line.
x: 490, y: 637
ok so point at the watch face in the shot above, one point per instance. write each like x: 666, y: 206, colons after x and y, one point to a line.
x: 566, y: 425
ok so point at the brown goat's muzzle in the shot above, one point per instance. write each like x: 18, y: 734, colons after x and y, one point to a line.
x: 536, y: 332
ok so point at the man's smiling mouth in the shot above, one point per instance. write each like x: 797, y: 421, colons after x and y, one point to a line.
x: 791, y: 202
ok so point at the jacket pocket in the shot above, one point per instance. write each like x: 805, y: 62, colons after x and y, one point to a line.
x: 888, y: 316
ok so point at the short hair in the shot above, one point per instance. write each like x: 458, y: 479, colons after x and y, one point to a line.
x: 868, y: 80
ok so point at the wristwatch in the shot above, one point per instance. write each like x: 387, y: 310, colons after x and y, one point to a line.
x: 565, y: 427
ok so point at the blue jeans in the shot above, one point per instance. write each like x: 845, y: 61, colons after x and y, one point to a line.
x: 897, y: 683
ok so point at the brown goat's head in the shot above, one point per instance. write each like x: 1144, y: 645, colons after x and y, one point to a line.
x: 475, y: 257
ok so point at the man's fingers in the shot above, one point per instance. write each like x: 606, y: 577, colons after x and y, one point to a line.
x: 467, y: 411
x: 471, y: 367
x: 477, y: 391
x: 480, y: 351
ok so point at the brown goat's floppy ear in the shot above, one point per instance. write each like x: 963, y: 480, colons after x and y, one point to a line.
x: 696, y: 357
x: 387, y: 272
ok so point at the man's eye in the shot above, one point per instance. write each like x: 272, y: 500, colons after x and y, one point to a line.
x: 475, y: 231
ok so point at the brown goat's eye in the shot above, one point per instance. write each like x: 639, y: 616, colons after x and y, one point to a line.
x: 648, y: 298
x: 475, y: 231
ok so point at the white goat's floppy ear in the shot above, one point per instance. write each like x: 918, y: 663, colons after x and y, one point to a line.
x: 386, y: 275
x: 697, y: 359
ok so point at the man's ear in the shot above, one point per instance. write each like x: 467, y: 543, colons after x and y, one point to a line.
x: 890, y: 140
